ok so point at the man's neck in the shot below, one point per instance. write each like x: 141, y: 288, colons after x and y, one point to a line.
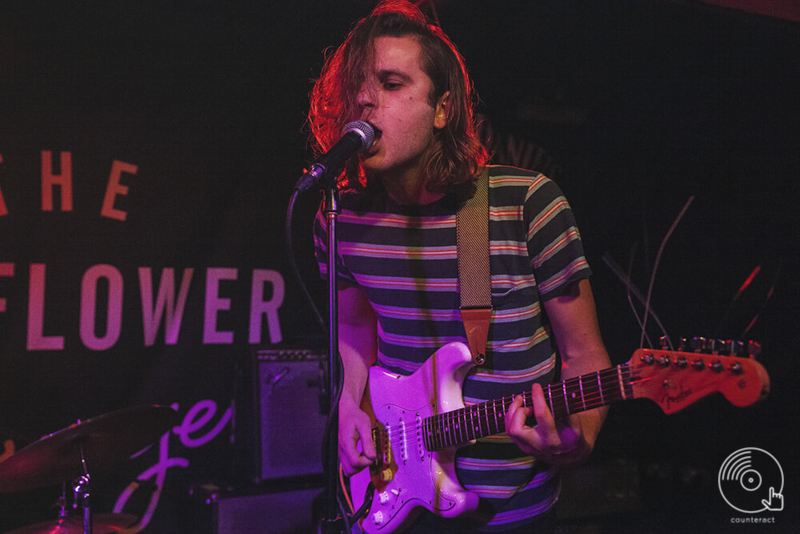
x: 409, y: 189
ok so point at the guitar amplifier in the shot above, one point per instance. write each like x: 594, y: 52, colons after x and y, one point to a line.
x: 284, y: 506
x: 288, y: 408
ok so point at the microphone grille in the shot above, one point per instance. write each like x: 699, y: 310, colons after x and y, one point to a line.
x: 364, y: 130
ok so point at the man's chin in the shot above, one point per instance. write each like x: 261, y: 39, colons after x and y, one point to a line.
x: 372, y: 166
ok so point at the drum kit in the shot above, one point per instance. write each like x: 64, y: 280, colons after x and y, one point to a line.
x: 77, y: 453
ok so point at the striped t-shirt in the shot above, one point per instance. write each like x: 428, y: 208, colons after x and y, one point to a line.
x: 404, y: 259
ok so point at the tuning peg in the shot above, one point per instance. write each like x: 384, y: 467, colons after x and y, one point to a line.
x: 733, y: 347
x: 698, y: 344
x: 712, y: 346
x: 753, y: 349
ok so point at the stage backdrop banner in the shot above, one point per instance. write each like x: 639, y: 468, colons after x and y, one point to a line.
x: 146, y: 160
x: 148, y: 151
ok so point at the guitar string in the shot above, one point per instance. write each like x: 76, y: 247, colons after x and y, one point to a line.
x: 467, y: 414
x: 592, y: 397
x: 462, y: 420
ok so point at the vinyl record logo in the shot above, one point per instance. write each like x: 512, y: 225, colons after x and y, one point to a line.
x: 751, y: 481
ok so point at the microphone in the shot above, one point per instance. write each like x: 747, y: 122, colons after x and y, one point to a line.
x: 357, y: 136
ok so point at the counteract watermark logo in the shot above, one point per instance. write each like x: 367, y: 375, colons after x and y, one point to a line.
x: 751, y: 481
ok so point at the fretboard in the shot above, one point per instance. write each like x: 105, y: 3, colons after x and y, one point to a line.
x: 571, y: 396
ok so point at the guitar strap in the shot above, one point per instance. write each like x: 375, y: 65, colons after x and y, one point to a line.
x: 474, y: 276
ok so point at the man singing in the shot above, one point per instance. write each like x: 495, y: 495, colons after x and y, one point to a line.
x: 398, y: 274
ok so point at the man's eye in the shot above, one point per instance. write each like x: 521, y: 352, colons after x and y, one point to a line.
x: 391, y: 86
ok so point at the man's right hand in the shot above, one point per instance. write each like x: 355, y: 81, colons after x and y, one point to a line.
x: 356, y: 449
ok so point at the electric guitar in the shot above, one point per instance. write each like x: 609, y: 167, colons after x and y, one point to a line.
x: 419, y: 421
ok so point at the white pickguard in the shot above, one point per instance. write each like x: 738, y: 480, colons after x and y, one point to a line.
x: 422, y: 479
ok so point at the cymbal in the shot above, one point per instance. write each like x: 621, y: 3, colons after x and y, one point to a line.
x: 106, y: 441
x: 101, y: 524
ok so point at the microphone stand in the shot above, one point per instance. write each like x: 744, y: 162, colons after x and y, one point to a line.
x: 332, y: 210
x: 357, y: 136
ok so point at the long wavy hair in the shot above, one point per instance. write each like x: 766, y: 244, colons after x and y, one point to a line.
x: 458, y: 152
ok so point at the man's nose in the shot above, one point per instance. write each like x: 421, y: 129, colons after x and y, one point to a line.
x: 366, y: 98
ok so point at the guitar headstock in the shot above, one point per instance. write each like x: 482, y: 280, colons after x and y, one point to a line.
x: 676, y: 379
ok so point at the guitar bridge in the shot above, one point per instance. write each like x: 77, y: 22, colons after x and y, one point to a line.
x: 381, y: 469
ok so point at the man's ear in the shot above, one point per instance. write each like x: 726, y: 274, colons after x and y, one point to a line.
x: 442, y: 111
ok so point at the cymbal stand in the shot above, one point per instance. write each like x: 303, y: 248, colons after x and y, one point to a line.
x: 62, y: 503
x: 82, y: 489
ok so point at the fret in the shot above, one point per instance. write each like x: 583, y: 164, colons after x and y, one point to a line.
x: 583, y: 397
x: 465, y: 425
x: 600, y: 389
x: 446, y: 420
x: 621, y: 386
x: 573, y: 394
x: 444, y: 428
x: 628, y: 385
x: 556, y: 401
x: 428, y: 423
x: 459, y: 421
x: 590, y: 392
x: 456, y: 423
x: 482, y: 430
x: 475, y: 414
x: 501, y: 425
x: 566, y: 400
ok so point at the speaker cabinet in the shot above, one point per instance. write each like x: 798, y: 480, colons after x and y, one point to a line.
x: 285, y: 506
x: 289, y: 410
x: 287, y: 512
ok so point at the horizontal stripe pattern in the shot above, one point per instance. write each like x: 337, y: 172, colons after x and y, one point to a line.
x: 404, y: 258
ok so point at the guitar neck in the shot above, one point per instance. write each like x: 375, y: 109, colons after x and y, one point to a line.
x: 571, y: 396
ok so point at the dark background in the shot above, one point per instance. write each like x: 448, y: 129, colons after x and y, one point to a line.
x: 632, y: 107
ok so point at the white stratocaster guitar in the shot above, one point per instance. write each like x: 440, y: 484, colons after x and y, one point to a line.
x: 419, y: 421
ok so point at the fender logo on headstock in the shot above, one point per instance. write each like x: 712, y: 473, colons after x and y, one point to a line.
x: 680, y: 398
x: 742, y: 383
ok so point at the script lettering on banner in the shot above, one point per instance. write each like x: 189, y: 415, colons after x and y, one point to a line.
x: 199, y: 419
